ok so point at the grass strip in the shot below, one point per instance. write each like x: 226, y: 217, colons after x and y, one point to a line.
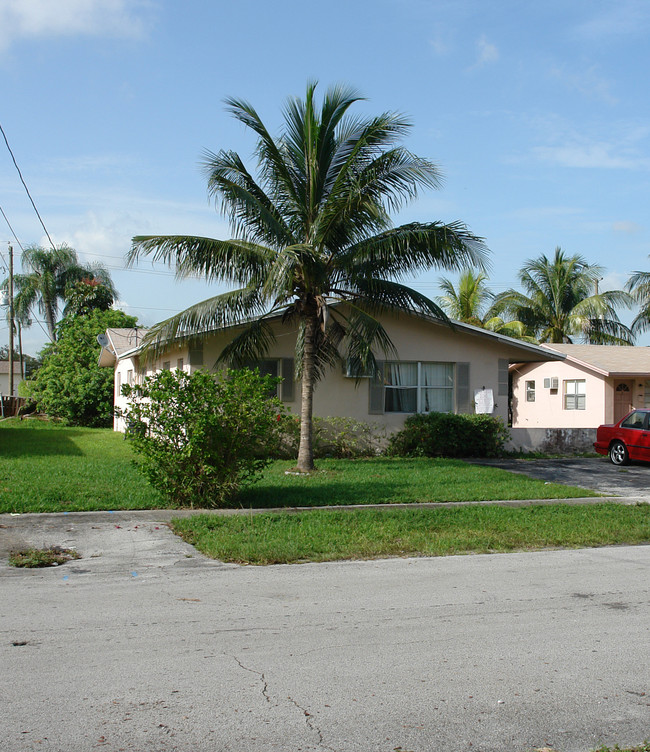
x: 328, y: 535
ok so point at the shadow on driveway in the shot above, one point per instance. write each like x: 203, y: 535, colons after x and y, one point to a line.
x: 596, y: 473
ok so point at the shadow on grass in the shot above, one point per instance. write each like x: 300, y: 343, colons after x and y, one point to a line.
x: 17, y: 442
x: 263, y: 496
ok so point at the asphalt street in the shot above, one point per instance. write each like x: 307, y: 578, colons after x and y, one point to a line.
x: 143, y: 644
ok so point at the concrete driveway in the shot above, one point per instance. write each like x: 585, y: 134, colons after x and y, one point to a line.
x: 596, y: 473
x: 143, y: 644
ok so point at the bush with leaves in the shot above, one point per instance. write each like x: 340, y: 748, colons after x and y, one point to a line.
x: 199, y: 439
x: 70, y: 385
x: 339, y: 437
x: 449, y: 435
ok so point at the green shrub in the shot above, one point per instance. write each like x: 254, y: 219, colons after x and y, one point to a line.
x: 339, y: 438
x: 449, y: 435
x: 70, y: 385
x: 198, y: 438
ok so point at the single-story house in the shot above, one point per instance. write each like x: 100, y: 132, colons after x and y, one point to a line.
x: 4, y: 378
x: 459, y: 368
x: 564, y: 402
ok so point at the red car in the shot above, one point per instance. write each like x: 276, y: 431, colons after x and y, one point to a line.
x: 629, y: 439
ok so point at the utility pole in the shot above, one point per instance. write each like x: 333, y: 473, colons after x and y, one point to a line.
x: 11, y: 322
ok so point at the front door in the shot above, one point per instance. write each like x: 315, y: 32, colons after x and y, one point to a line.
x: 622, y: 399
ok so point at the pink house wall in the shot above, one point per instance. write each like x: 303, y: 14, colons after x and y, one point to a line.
x: 548, y: 409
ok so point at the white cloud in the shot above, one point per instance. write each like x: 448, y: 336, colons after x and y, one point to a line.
x: 587, y: 82
x: 440, y: 43
x: 622, y: 18
x: 592, y: 154
x: 626, y: 227
x: 486, y: 53
x: 613, y: 145
x: 22, y: 19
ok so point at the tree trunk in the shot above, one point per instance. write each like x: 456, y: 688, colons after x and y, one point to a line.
x: 50, y: 321
x: 305, y: 448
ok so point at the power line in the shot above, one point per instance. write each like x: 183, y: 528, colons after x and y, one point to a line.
x: 22, y: 180
x: 10, y: 227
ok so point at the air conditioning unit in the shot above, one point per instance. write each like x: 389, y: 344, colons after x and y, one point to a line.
x: 552, y: 383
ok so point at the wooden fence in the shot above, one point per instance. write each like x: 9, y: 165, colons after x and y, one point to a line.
x: 9, y: 406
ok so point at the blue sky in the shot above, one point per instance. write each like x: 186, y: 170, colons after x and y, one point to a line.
x: 536, y: 113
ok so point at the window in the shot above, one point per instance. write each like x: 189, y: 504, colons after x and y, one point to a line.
x: 636, y: 420
x: 129, y: 377
x: 575, y: 394
x: 530, y: 391
x: 418, y: 387
x: 195, y: 355
x: 646, y: 394
x: 279, y: 367
x: 179, y: 364
x: 167, y: 365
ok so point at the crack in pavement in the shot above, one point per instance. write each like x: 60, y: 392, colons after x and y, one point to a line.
x: 309, y: 719
x: 265, y: 686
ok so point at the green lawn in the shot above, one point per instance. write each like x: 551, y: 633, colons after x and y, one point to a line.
x: 328, y: 535
x: 49, y: 468
x: 390, y: 480
x: 45, y: 467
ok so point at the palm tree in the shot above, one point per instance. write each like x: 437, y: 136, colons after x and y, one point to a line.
x: 470, y: 300
x: 313, y: 230
x: 48, y: 275
x: 638, y: 285
x: 561, y: 302
x: 473, y: 303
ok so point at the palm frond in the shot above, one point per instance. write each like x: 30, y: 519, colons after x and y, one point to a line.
x: 413, y: 248
x: 252, y: 213
x: 233, y: 261
x: 222, y: 311
x: 250, y: 345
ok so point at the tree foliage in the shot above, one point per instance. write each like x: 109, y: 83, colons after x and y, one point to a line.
x: 561, y: 302
x: 472, y: 302
x: 198, y: 439
x: 312, y: 230
x: 638, y: 285
x: 47, y: 278
x: 70, y: 384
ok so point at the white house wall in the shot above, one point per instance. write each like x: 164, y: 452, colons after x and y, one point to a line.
x: 336, y: 395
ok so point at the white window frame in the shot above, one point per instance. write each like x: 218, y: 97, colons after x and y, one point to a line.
x: 419, y: 386
x: 574, y: 399
x: 530, y: 391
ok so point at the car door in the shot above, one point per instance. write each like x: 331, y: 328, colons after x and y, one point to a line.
x: 636, y: 435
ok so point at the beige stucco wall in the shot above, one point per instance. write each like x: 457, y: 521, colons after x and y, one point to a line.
x: 4, y: 384
x: 415, y: 340
x: 547, y: 411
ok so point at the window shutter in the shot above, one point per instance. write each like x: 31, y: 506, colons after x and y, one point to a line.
x: 287, y: 387
x: 196, y: 356
x: 376, y: 391
x: 503, y: 378
x: 462, y: 388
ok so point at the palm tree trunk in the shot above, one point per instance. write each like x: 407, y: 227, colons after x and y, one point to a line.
x: 50, y: 321
x: 305, y: 448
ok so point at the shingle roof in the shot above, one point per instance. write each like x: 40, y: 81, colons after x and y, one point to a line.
x: 612, y: 360
x: 125, y: 338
